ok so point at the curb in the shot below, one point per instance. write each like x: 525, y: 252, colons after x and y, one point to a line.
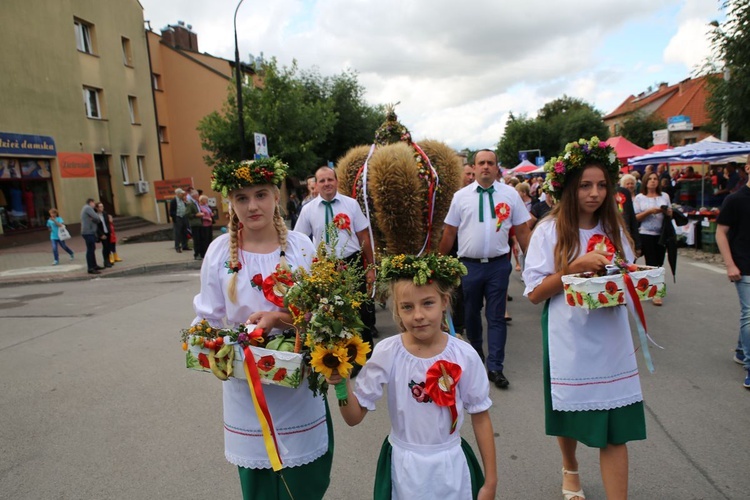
x: 130, y: 271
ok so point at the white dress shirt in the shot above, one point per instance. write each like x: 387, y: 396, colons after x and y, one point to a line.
x: 312, y: 222
x: 482, y: 240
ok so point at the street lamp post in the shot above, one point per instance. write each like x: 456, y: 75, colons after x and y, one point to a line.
x: 243, y: 148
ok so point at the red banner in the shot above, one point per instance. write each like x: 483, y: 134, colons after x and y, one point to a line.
x: 76, y: 165
x: 164, y: 190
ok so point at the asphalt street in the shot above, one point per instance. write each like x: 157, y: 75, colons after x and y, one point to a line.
x: 96, y: 402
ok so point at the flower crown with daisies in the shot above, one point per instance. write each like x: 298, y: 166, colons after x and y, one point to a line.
x: 421, y: 270
x: 576, y: 156
x: 237, y: 175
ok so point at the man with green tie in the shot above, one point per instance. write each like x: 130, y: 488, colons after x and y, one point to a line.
x: 481, y: 215
x: 334, y: 213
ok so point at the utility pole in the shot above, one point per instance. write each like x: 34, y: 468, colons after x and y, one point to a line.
x: 240, y: 117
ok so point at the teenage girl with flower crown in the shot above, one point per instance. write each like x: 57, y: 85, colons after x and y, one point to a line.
x: 592, y: 390
x: 257, y: 242
x: 432, y: 378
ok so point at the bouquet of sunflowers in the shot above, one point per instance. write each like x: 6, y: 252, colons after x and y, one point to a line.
x: 325, y: 303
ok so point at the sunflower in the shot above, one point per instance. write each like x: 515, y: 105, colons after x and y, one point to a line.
x: 326, y: 359
x: 356, y: 350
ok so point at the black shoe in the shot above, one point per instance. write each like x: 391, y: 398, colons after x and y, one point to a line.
x: 94, y: 271
x: 497, y: 378
x: 99, y: 268
x: 510, y: 299
x: 178, y: 250
x: 107, y: 266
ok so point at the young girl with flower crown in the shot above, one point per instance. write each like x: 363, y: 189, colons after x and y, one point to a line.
x: 257, y: 242
x: 432, y: 378
x: 592, y: 390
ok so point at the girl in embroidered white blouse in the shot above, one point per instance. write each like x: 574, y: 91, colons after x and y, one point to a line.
x: 432, y: 378
x: 256, y: 243
x: 592, y: 390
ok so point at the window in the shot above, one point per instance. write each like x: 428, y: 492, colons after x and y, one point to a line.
x: 84, y: 36
x: 92, y: 102
x: 127, y: 53
x: 156, y: 81
x: 125, y: 166
x: 163, y: 137
x: 617, y: 129
x: 141, y: 177
x: 135, y: 117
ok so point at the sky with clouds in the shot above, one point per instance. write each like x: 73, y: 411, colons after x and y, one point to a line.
x: 459, y: 68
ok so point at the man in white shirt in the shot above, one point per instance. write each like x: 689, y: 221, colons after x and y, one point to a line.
x: 481, y: 215
x: 351, y: 229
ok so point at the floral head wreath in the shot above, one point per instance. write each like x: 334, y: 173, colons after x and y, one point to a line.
x: 236, y: 175
x: 422, y: 270
x: 576, y: 156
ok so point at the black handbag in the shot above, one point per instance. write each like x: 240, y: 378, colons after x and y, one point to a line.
x: 679, y: 218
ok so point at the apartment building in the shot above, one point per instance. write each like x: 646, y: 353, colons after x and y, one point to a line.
x: 78, y: 118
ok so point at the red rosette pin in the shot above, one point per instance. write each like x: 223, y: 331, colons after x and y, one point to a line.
x: 276, y: 285
x: 440, y: 385
x: 620, y: 199
x: 601, y: 242
x: 342, y: 222
x: 502, y: 212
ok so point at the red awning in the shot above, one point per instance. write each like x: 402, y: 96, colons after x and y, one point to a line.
x: 624, y: 148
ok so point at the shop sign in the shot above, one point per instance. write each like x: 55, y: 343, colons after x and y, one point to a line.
x: 76, y: 165
x: 660, y: 136
x: 28, y: 145
x: 164, y: 190
x: 679, y: 123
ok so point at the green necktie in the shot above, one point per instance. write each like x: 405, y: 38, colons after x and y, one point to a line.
x: 329, y: 216
x: 481, y: 192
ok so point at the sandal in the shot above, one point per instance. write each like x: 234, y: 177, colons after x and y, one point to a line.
x: 657, y: 301
x: 568, y: 494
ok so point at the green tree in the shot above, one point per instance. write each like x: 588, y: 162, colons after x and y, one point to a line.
x: 729, y: 100
x: 356, y: 121
x: 308, y: 119
x: 639, y: 128
x: 570, y: 119
x: 523, y: 133
x: 557, y: 123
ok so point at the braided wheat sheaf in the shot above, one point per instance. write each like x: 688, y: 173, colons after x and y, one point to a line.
x: 399, y: 197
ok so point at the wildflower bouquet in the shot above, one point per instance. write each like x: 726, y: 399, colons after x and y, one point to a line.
x: 325, y: 303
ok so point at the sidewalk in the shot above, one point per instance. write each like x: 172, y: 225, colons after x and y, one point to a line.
x: 33, y: 263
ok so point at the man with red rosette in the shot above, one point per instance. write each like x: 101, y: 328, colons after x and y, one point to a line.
x: 481, y: 215
x: 352, y: 230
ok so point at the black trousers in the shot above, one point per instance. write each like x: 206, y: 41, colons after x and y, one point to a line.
x: 367, y: 310
x: 653, y: 252
x: 106, y: 250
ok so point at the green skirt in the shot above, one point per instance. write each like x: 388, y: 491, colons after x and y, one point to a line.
x: 594, y: 428
x: 383, y: 473
x: 308, y: 482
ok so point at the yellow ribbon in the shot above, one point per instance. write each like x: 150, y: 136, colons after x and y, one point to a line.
x: 261, y: 409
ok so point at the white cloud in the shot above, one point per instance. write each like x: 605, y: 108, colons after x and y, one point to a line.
x: 690, y: 45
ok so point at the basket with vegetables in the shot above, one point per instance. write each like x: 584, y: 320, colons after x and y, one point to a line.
x: 221, y: 352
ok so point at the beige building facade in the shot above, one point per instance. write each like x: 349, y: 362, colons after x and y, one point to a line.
x: 78, y: 117
x: 188, y: 86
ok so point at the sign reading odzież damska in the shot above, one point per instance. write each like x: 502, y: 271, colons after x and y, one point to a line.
x: 23, y: 144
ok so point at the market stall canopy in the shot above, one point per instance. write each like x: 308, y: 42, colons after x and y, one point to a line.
x: 525, y: 167
x: 657, y: 147
x: 625, y: 149
x: 706, y: 151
